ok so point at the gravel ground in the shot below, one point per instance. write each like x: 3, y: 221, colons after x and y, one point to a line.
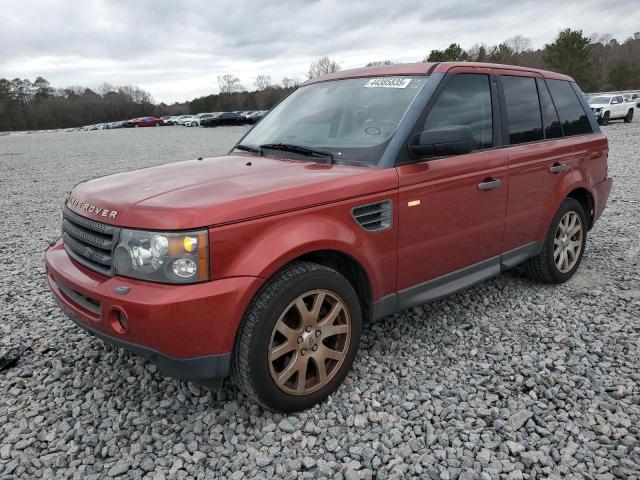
x: 511, y: 379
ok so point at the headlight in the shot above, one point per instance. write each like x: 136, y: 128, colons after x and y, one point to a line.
x: 168, y: 257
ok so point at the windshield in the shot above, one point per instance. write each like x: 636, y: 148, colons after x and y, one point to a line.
x: 353, y: 119
x: 595, y: 100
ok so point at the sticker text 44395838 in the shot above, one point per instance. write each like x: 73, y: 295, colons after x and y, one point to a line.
x: 388, y: 82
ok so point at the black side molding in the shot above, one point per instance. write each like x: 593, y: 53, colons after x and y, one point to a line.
x: 453, y: 282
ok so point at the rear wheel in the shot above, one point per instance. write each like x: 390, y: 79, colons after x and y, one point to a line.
x: 563, y: 248
x: 298, y: 338
x: 629, y: 117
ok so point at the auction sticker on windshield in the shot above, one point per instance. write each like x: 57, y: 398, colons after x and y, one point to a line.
x: 388, y: 82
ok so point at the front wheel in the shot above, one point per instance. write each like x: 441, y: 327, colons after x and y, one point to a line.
x: 605, y: 119
x: 298, y: 338
x: 629, y: 117
x: 563, y: 247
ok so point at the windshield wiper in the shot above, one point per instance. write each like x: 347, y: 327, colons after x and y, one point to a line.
x: 248, y: 148
x: 289, y: 147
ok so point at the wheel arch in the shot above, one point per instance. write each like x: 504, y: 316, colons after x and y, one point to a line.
x: 348, y: 267
x: 585, y: 198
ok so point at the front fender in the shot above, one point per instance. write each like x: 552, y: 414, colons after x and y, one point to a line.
x: 261, y: 247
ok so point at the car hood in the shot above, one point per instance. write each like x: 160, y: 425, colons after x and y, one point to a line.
x: 220, y: 190
x: 598, y: 105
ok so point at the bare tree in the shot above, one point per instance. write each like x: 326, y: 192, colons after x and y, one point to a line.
x: 262, y: 82
x: 518, y: 44
x: 323, y: 66
x: 290, y: 82
x: 228, y: 83
x: 379, y: 63
x: 105, y: 88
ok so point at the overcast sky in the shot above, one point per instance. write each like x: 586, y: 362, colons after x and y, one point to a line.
x: 176, y: 49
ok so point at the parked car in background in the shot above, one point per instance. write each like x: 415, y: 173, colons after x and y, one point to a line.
x: 610, y: 107
x: 143, y: 122
x: 224, y: 118
x: 119, y: 124
x: 188, y: 121
x: 168, y: 120
x: 255, y: 117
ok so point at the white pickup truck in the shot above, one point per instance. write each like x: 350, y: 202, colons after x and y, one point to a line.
x: 609, y: 107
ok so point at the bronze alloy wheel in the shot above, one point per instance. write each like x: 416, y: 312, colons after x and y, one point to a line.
x: 309, y: 342
x: 567, y: 243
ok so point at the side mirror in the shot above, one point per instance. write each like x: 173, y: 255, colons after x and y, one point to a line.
x: 451, y: 140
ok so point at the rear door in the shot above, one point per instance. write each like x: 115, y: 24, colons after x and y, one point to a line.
x: 539, y: 115
x: 452, y: 209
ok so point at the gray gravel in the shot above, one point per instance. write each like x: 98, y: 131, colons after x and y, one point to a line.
x: 512, y: 379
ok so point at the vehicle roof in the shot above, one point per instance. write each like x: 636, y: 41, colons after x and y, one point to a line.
x: 424, y: 68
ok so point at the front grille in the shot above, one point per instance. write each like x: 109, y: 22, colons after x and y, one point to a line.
x: 88, y: 242
x: 88, y: 303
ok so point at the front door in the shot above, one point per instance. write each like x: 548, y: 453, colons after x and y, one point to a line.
x: 452, y: 209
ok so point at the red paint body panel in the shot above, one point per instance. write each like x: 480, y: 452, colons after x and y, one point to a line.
x: 262, y: 246
x: 534, y: 192
x: 456, y: 224
x: 221, y: 190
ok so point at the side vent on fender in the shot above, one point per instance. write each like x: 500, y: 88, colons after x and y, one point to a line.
x: 374, y: 217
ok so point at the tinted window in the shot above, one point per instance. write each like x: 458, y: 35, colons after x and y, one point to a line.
x: 465, y: 100
x: 572, y: 116
x: 550, y: 120
x: 523, y: 109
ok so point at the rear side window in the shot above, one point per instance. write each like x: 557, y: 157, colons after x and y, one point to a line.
x: 523, y: 109
x: 550, y: 120
x: 572, y: 116
x: 465, y: 100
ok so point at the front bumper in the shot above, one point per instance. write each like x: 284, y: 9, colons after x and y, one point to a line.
x: 187, y: 330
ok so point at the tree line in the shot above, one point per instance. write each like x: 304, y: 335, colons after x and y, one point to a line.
x: 597, y: 63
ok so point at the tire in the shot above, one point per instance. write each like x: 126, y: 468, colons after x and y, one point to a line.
x: 259, y: 336
x: 544, y: 267
x: 629, y: 117
x: 194, y: 124
x: 605, y: 119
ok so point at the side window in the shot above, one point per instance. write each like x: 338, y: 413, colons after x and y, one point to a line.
x: 465, y: 100
x: 572, y: 116
x: 523, y: 109
x: 550, y: 120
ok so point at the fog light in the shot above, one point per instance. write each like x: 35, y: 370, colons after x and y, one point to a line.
x: 184, y: 267
x: 118, y: 320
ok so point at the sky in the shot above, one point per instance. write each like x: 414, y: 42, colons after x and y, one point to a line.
x: 176, y: 49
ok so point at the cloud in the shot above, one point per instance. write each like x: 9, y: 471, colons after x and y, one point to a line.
x: 176, y: 49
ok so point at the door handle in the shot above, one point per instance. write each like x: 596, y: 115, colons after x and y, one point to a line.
x: 489, y: 184
x: 558, y: 167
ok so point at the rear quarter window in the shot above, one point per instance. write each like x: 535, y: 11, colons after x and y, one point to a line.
x: 550, y: 120
x: 572, y: 116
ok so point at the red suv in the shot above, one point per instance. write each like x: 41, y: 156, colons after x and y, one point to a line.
x: 144, y: 122
x: 363, y: 193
